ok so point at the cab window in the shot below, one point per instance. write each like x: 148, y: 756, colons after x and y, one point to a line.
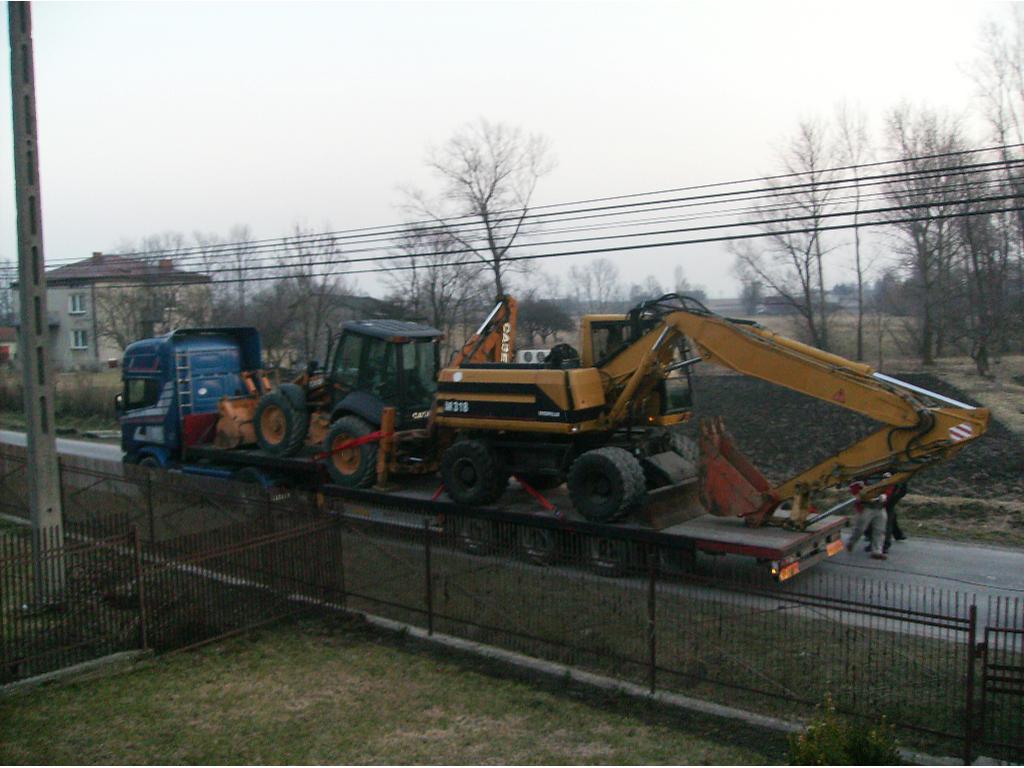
x: 141, y: 393
x: 419, y: 371
x: 347, y: 360
x: 377, y: 374
x: 608, y: 339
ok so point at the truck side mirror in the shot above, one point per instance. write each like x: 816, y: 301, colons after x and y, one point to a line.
x: 119, y: 404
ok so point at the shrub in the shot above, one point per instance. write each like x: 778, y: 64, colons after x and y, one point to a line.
x: 832, y: 740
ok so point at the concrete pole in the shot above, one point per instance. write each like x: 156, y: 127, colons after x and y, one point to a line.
x: 33, y: 343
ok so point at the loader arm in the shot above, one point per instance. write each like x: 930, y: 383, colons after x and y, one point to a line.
x: 495, y: 339
x: 921, y: 428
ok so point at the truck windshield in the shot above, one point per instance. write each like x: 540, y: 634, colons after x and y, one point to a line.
x: 420, y: 371
x: 141, y: 393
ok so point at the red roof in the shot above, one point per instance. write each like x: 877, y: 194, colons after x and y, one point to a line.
x: 108, y: 268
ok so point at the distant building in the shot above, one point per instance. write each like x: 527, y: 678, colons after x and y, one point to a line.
x: 98, y: 305
x: 8, y: 344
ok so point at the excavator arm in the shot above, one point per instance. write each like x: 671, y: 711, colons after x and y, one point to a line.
x: 920, y: 428
x: 495, y: 339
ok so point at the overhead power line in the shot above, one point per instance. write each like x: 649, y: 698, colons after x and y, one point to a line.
x: 730, y: 231
x: 286, y: 247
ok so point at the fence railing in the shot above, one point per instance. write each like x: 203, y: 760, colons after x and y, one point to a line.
x: 162, y: 560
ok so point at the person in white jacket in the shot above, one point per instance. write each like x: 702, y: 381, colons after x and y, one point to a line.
x: 870, y: 514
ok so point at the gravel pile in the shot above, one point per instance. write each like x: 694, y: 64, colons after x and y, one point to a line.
x: 784, y: 432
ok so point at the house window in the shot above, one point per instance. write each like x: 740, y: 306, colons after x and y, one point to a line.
x: 79, y: 340
x: 76, y: 304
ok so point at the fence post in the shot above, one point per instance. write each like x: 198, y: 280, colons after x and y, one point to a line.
x: 149, y: 504
x: 972, y: 645
x: 428, y: 576
x: 143, y: 636
x: 652, y: 592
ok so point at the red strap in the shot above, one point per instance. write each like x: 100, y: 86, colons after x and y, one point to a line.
x: 536, y: 494
x: 353, y: 443
x: 438, y: 492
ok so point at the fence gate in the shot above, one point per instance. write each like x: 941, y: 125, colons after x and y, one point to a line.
x: 1002, y: 684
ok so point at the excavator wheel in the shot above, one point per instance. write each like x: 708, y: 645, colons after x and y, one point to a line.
x: 606, y: 484
x: 280, y: 425
x: 354, y: 467
x: 472, y: 473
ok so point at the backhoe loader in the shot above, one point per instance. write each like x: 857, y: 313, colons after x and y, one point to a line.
x: 602, y: 418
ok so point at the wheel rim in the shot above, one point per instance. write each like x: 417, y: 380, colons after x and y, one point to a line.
x: 345, y: 461
x: 273, y: 424
x: 599, y: 488
x: 538, y: 544
x: 607, y: 554
x: 466, y: 473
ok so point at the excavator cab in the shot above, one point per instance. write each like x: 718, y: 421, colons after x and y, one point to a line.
x: 380, y: 363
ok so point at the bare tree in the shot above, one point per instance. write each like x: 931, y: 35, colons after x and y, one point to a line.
x: 151, y: 296
x: 596, y: 286
x: 792, y: 263
x: 489, y: 172
x: 999, y: 75
x: 927, y: 242
x: 854, y: 149
x: 650, y: 288
x: 312, y: 292
x: 433, y: 280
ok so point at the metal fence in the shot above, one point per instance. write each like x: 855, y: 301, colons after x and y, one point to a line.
x: 164, y: 561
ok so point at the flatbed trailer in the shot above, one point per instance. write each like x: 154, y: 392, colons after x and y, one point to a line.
x: 672, y: 520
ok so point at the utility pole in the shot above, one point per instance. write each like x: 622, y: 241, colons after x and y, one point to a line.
x: 37, y: 376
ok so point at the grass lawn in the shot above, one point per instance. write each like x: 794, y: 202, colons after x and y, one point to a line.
x: 333, y: 691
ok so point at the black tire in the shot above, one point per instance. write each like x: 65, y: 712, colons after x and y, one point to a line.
x: 538, y: 545
x: 295, y: 394
x: 353, y: 467
x: 280, y: 426
x: 472, y: 474
x: 608, y: 557
x: 543, y: 482
x: 606, y: 484
x: 150, y: 462
x: 475, y: 536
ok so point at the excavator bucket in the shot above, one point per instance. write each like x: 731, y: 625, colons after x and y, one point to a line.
x: 730, y: 486
x: 234, y: 424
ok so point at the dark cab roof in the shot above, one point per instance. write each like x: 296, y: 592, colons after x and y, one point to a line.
x: 389, y: 329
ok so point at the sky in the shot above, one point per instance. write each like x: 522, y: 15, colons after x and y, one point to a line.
x: 188, y: 117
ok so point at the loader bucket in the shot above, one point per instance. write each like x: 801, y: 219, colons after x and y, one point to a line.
x: 730, y: 486
x: 234, y: 424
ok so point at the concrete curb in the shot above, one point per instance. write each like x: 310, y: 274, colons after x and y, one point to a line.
x: 104, y: 664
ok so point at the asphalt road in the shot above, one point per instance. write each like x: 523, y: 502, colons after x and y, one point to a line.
x: 922, y: 563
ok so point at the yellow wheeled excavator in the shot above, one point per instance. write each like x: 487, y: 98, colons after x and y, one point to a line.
x: 602, y: 418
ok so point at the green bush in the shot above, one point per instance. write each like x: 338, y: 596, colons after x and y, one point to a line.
x: 832, y: 740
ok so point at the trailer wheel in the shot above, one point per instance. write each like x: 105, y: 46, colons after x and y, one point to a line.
x: 608, y: 557
x: 472, y: 473
x: 280, y: 425
x: 606, y: 484
x: 150, y: 462
x: 538, y: 545
x: 354, y: 467
x: 475, y: 536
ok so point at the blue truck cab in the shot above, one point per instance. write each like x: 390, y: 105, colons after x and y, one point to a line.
x: 172, y: 384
